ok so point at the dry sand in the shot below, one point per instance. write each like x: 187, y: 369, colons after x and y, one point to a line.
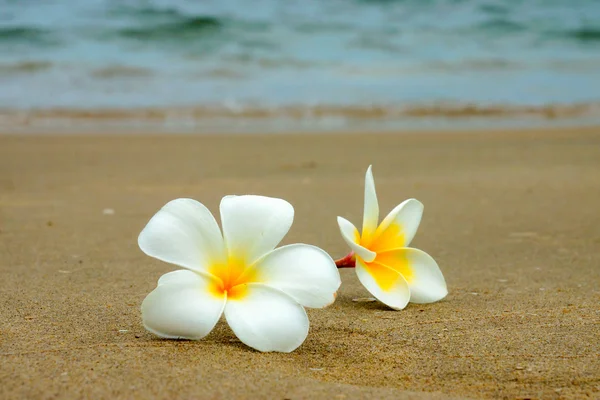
x: 513, y: 219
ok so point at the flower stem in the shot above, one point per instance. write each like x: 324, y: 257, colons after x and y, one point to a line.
x: 346, y: 262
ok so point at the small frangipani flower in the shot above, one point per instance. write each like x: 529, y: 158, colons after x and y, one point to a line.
x: 392, y: 272
x: 261, y: 290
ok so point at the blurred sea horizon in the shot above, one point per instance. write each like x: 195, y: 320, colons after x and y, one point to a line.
x: 326, y: 63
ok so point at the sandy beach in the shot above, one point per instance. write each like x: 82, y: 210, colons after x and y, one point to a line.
x: 512, y: 218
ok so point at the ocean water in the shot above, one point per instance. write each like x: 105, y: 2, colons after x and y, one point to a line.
x: 310, y: 60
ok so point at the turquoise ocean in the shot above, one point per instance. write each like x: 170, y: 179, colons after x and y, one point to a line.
x: 318, y: 64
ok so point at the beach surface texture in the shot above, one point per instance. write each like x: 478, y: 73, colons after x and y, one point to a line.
x: 512, y: 218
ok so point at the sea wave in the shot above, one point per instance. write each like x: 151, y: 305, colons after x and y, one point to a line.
x: 152, y: 23
x: 500, y: 26
x: 120, y: 71
x: 182, y: 28
x: 144, y: 11
x: 24, y: 67
x: 584, y: 34
x: 26, y: 35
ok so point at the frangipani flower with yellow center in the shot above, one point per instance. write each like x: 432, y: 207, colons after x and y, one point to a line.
x: 260, y: 289
x: 392, y: 272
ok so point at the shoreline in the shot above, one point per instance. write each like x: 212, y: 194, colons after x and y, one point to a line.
x: 425, y: 136
x: 477, y: 127
x: 301, y: 119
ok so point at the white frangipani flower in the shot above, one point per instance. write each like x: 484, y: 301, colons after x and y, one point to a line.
x: 392, y: 272
x: 260, y: 289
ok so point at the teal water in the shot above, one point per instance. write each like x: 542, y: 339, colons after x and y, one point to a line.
x: 303, y: 54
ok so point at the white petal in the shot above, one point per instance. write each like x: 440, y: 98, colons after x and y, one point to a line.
x: 351, y: 236
x: 184, y: 233
x: 387, y: 285
x: 254, y: 225
x: 371, y: 210
x: 267, y: 319
x: 306, y: 273
x: 183, y: 306
x: 426, y: 281
x: 179, y: 276
x: 399, y: 227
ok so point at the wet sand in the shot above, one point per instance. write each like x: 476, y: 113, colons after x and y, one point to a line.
x: 513, y: 219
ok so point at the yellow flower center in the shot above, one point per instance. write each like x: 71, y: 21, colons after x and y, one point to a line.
x: 387, y: 264
x: 233, y: 278
x: 391, y: 238
x: 398, y: 261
